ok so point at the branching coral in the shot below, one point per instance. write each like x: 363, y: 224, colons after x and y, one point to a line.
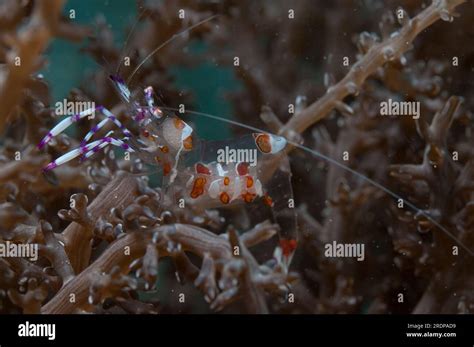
x: 23, y: 57
x: 375, y: 55
x: 111, y: 243
x: 171, y: 240
x: 449, y: 190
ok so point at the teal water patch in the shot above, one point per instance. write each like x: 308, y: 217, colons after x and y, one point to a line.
x: 67, y: 67
x: 209, y: 84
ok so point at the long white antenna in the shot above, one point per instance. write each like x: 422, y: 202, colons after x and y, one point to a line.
x: 125, y: 44
x: 342, y: 166
x: 167, y: 42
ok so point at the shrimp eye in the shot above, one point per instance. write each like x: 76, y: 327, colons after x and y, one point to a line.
x: 145, y: 133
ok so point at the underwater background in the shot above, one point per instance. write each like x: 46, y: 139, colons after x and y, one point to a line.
x: 206, y: 81
x: 312, y: 71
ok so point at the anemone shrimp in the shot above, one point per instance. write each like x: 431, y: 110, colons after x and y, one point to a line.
x: 194, y: 170
x: 191, y: 167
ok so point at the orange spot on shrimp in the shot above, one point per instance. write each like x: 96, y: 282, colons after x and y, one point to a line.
x: 166, y: 169
x: 225, y: 198
x: 195, y: 193
x: 288, y: 246
x: 200, y: 168
x: 200, y: 182
x: 178, y: 123
x: 198, y: 187
x: 164, y: 149
x: 249, y: 182
x: 226, y: 180
x: 242, y: 168
x: 267, y: 200
x: 263, y: 142
x: 248, y: 197
x: 188, y: 143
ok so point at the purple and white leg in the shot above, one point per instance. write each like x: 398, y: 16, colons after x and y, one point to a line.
x: 104, y: 142
x: 87, y: 150
x: 65, y: 123
x: 71, y: 155
x: 100, y: 125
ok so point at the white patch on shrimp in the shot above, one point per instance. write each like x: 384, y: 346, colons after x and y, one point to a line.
x: 220, y: 171
x: 214, y: 189
x: 175, y: 138
x: 277, y: 143
x: 237, y: 188
x: 258, y: 188
x: 187, y: 131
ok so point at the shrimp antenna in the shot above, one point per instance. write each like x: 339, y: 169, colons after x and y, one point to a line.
x: 342, y: 166
x: 167, y: 42
x: 125, y: 44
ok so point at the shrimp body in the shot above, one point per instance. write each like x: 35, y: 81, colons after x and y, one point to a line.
x: 208, y: 173
x: 224, y: 184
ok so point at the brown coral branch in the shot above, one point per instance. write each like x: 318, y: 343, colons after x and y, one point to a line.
x: 120, y: 192
x: 132, y: 246
x: 30, y: 164
x: 379, y: 54
x: 255, y: 296
x: 79, y: 286
x: 28, y: 46
x: 54, y: 252
x: 32, y: 299
x: 12, y: 12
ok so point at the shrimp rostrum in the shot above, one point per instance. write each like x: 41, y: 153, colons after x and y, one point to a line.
x: 251, y: 170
